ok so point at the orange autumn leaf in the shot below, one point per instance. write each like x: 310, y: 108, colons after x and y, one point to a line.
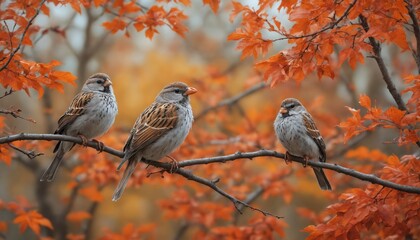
x: 364, y: 101
x: 394, y: 115
x: 214, y: 4
x: 115, y: 25
x: 375, y: 117
x: 5, y: 155
x: 78, y: 216
x: 33, y: 220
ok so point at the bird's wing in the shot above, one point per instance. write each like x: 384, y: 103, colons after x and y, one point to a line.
x: 153, y: 123
x: 313, y: 132
x: 76, y: 109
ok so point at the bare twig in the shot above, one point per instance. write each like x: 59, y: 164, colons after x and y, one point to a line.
x: 12, y: 54
x: 30, y: 154
x: 249, y: 199
x: 7, y: 93
x: 16, y: 114
x: 233, y: 100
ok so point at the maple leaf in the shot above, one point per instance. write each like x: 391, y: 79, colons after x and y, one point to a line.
x: 5, y: 155
x: 117, y: 24
x: 33, y: 220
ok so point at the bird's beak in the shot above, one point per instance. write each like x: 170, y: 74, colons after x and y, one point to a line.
x: 283, y: 110
x: 107, y: 83
x: 190, y: 90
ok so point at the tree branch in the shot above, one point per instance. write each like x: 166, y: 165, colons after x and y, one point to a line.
x: 232, y: 100
x: 50, y: 137
x: 219, y: 159
x: 249, y: 199
x: 376, y: 46
x: 209, y: 183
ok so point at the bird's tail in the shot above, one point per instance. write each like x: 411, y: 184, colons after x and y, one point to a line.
x: 51, y: 171
x: 132, y: 163
x: 322, y: 179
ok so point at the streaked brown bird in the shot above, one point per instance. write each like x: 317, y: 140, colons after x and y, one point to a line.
x: 298, y: 133
x: 91, y: 113
x: 159, y: 130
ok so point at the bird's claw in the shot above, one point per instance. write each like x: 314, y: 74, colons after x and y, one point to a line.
x: 100, y: 145
x: 84, y: 140
x: 174, y: 164
x: 287, y: 158
x: 306, y: 161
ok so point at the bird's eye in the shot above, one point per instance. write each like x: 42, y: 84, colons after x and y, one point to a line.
x: 99, y: 81
x: 177, y: 91
x: 291, y: 105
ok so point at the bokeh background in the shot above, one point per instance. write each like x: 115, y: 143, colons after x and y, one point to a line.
x: 139, y: 68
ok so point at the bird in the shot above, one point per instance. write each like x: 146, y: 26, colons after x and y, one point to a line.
x: 159, y: 130
x: 297, y: 132
x: 91, y: 113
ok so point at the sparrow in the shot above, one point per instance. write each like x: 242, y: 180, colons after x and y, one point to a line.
x: 158, y: 131
x: 91, y: 113
x: 297, y: 132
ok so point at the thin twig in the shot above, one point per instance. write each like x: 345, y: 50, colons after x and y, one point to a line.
x: 30, y: 154
x: 7, y: 93
x: 16, y: 114
x: 249, y: 199
x: 232, y: 100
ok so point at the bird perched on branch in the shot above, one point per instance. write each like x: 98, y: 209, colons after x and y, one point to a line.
x: 159, y: 130
x: 297, y: 132
x: 91, y: 113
